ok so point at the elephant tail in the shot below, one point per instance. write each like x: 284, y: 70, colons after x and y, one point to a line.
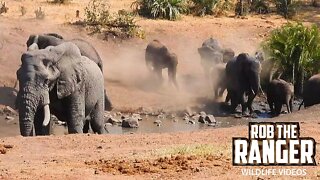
x: 301, y: 104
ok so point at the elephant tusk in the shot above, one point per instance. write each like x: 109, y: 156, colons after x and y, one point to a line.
x: 46, y: 115
x: 32, y: 47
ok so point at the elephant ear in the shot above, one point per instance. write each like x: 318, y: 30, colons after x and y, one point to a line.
x: 70, y: 80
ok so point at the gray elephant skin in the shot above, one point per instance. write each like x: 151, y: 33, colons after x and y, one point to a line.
x: 60, y: 81
x: 311, y: 91
x: 243, y: 79
x: 54, y: 39
x: 279, y: 92
x: 211, y: 53
x: 158, y: 57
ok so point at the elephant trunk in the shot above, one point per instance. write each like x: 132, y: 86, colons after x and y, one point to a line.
x: 29, y: 103
x: 27, y: 108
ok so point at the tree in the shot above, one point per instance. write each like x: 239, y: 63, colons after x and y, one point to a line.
x: 295, y: 48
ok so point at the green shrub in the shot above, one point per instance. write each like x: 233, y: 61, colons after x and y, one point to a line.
x: 121, y: 24
x: 165, y: 9
x: 295, y: 49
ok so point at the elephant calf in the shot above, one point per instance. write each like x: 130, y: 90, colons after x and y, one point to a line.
x: 158, y: 57
x: 279, y: 92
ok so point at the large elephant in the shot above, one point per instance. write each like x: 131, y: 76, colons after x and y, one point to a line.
x: 60, y: 81
x: 243, y: 79
x: 311, y: 91
x: 212, y: 53
x: 158, y: 57
x: 279, y: 92
x: 86, y: 49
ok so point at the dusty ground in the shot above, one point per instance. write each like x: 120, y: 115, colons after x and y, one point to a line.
x: 128, y: 85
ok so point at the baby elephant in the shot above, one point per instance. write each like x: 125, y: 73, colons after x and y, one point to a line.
x: 158, y: 57
x: 280, y: 92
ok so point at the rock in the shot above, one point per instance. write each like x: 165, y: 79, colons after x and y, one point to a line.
x: 61, y: 123
x: 113, y: 121
x: 107, y: 115
x: 186, y: 119
x: 9, y: 110
x: 192, y: 122
x: 157, y: 121
x: 130, y: 123
x: 212, y: 124
x: 9, y: 118
x: 202, y: 113
x: 202, y: 119
x: 175, y: 120
x: 137, y: 116
x: 108, y: 124
x: 118, y: 113
x: 210, y: 119
x: 161, y: 116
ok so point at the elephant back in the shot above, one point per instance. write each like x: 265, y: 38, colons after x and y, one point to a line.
x: 86, y: 49
x: 212, y: 43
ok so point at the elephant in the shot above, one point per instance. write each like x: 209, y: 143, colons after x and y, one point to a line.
x: 218, y: 78
x: 243, y: 79
x: 212, y: 53
x: 59, y: 80
x: 54, y: 39
x: 311, y: 91
x: 158, y: 57
x: 279, y: 92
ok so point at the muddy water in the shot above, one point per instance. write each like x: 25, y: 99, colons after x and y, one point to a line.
x: 147, y: 125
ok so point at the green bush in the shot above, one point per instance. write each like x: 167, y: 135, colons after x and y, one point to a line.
x: 121, y: 24
x: 165, y: 9
x: 295, y: 48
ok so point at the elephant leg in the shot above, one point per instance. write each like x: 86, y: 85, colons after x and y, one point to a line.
x: 97, y: 119
x: 271, y: 105
x: 289, y: 105
x: 234, y: 100
x: 244, y: 105
x: 107, y: 102
x: 278, y: 107
x: 250, y: 101
x: 77, y: 113
x: 158, y: 72
x: 86, y: 127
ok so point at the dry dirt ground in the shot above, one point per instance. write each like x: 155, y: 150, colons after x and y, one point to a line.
x: 133, y: 156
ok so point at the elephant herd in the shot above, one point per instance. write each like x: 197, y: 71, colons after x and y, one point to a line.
x: 65, y: 78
